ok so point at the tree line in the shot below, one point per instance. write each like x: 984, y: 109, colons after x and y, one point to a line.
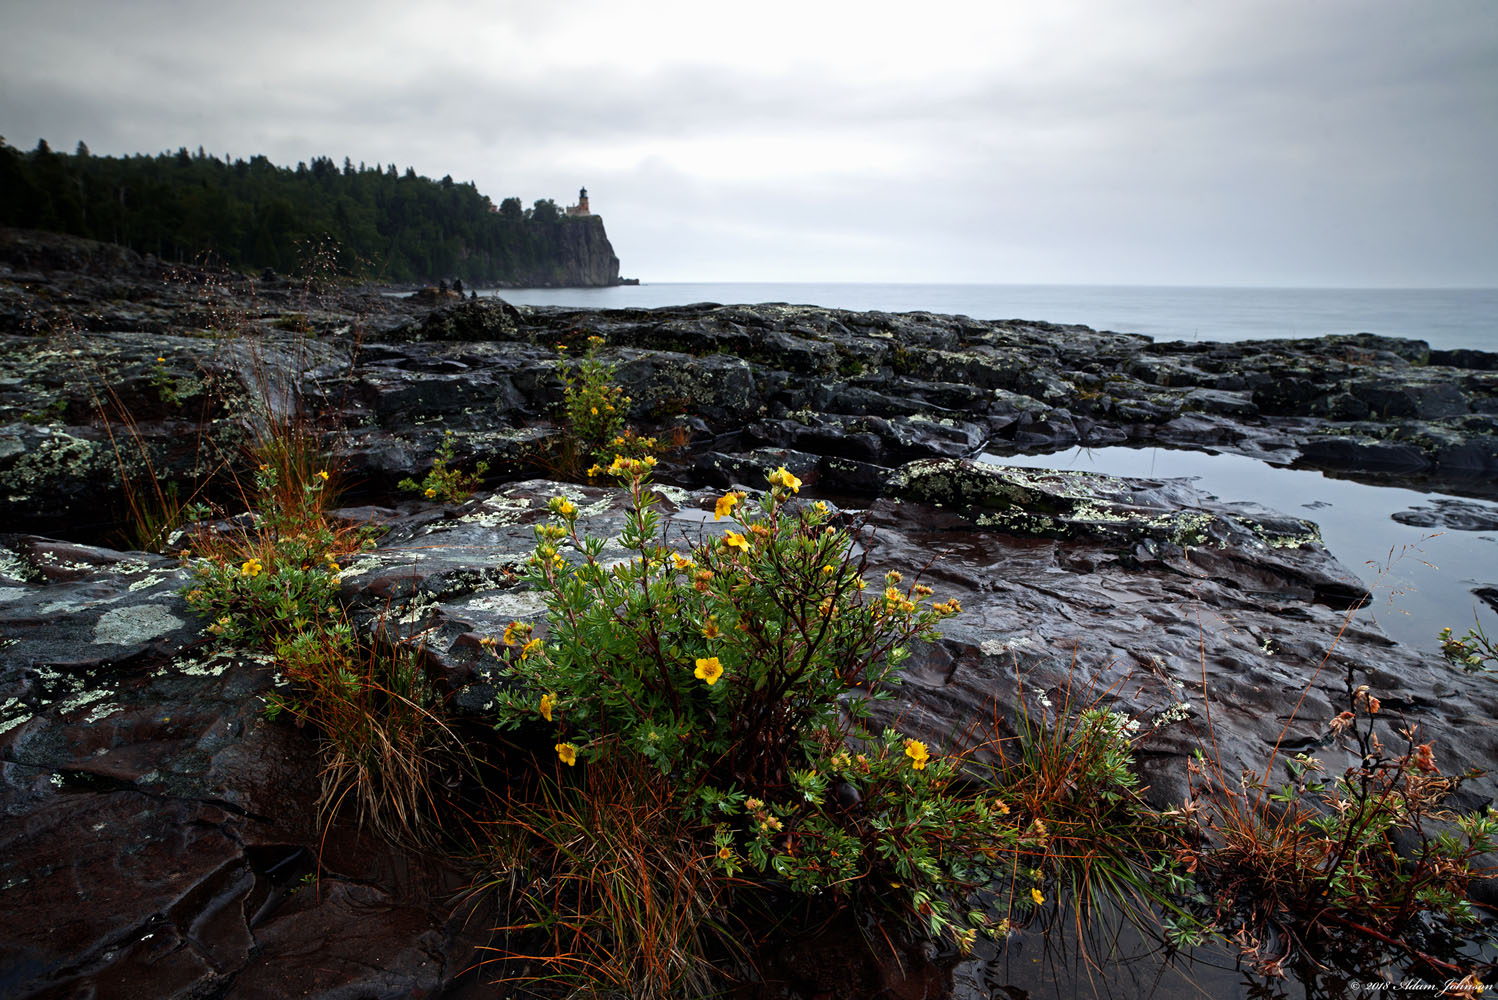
x: 252, y: 214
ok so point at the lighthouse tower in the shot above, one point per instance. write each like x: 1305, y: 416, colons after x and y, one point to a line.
x: 581, y: 208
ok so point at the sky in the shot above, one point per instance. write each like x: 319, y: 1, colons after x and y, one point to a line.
x: 1341, y: 143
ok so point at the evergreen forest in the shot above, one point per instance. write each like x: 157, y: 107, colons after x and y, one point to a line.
x: 252, y: 214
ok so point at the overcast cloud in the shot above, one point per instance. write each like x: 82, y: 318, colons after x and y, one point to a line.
x: 1340, y: 142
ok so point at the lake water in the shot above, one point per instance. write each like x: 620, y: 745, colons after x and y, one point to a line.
x: 1422, y: 579
x: 1446, y: 318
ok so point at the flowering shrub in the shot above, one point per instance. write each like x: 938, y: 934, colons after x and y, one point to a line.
x: 740, y: 667
x: 276, y: 579
x: 593, y: 407
x: 444, y: 481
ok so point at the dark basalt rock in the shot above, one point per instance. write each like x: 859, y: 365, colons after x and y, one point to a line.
x: 384, y: 375
x: 160, y: 837
x: 123, y: 734
x: 158, y: 827
x: 1451, y: 515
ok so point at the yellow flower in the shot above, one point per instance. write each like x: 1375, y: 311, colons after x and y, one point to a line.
x: 681, y: 562
x: 829, y: 569
x: 725, y: 853
x: 708, y: 670
x: 160, y: 360
x: 1036, y: 895
x: 711, y: 630
x: 322, y: 474
x: 431, y: 493
x: 251, y: 567
x: 593, y: 410
x: 567, y: 752
x: 548, y: 702
x: 529, y: 648
x: 916, y: 751
x: 819, y: 507
x: 725, y: 505
x: 780, y: 477
x: 562, y: 506
x: 734, y: 540
x: 514, y: 630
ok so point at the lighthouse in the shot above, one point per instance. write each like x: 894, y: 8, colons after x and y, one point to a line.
x: 581, y: 208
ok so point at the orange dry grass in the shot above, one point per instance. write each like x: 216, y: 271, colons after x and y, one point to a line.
x: 621, y: 890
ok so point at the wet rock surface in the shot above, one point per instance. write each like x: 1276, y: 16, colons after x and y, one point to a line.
x: 158, y: 826
x: 159, y: 831
x: 846, y: 396
x: 159, y: 835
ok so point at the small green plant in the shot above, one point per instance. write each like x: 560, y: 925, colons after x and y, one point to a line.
x: 52, y: 413
x: 165, y: 383
x: 294, y: 322
x: 266, y: 582
x: 1473, y: 652
x: 1319, y: 854
x: 445, y: 481
x: 1087, y: 835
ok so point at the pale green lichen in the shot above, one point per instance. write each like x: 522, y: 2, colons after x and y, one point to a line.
x: 497, y: 512
x: 129, y: 626
x: 997, y: 647
x: 149, y: 581
x: 509, y: 604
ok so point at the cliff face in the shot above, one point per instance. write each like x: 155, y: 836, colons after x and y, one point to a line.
x: 580, y: 256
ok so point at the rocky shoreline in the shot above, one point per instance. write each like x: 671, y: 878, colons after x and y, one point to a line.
x: 159, y: 829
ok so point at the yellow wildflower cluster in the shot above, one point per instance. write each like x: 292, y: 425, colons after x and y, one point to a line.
x: 896, y: 601
x: 516, y: 632
x: 781, y: 478
x: 562, y: 507
x: 725, y: 505
x: 629, y: 468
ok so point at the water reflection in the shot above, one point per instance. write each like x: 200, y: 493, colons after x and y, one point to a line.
x: 1422, y: 578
